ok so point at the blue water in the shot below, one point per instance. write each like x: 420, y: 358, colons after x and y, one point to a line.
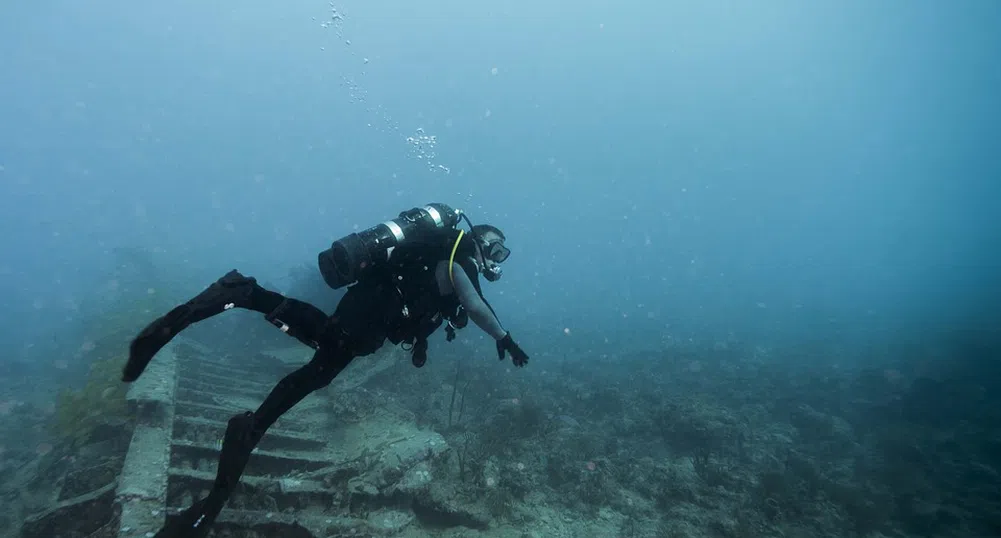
x: 776, y: 173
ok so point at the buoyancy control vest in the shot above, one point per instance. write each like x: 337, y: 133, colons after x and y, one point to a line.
x: 418, y: 308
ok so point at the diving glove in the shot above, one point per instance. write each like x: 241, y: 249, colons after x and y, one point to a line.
x: 507, y: 344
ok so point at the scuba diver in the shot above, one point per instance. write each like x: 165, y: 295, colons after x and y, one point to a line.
x: 406, y: 278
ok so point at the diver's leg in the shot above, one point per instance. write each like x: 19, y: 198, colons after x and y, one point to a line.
x: 243, y: 433
x: 297, y: 318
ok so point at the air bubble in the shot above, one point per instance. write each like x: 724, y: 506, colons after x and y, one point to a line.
x: 422, y: 145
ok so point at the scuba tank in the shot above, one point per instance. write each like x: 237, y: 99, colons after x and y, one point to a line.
x: 351, y: 257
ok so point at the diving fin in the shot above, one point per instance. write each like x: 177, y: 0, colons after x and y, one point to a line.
x: 194, y: 522
x: 232, y: 290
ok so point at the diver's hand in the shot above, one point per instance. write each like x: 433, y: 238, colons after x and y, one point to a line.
x: 518, y: 357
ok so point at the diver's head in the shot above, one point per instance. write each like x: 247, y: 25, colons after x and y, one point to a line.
x: 490, y: 250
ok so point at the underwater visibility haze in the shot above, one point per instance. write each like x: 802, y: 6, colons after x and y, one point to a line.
x: 754, y: 268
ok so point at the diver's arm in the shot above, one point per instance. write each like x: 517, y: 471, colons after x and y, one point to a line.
x: 478, y: 310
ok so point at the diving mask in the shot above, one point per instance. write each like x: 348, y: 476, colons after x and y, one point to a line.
x: 496, y: 252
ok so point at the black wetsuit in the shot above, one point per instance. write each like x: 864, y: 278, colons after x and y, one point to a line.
x: 400, y: 302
